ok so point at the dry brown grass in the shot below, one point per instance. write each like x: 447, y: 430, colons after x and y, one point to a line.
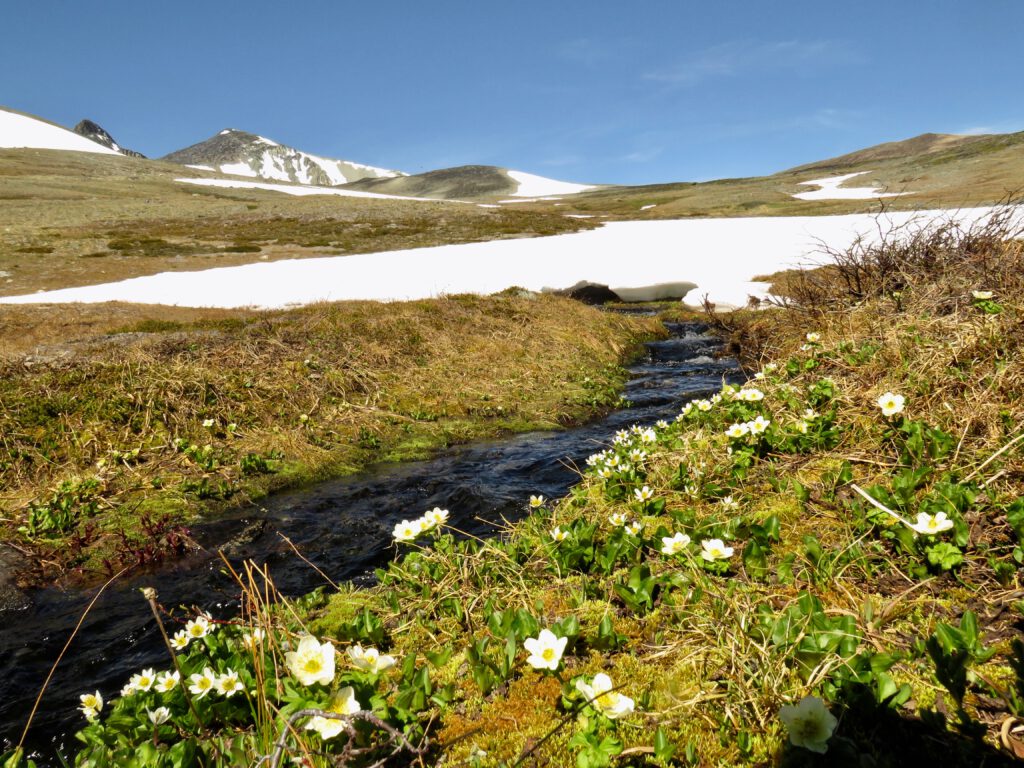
x: 323, y: 389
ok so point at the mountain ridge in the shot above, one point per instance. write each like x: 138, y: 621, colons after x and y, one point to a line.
x: 242, y: 153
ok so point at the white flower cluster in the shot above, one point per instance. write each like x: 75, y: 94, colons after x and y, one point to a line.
x: 408, y: 530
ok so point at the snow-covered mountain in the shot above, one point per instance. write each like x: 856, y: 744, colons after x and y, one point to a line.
x: 94, y: 131
x: 19, y: 131
x: 246, y: 154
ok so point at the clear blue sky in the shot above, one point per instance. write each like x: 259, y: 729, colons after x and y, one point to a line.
x: 608, y: 91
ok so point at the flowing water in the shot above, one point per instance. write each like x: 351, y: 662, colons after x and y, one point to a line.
x: 343, y: 526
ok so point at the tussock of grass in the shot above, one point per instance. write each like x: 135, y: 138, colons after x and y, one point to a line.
x: 194, y: 415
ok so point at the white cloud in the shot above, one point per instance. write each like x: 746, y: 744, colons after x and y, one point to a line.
x: 738, y: 57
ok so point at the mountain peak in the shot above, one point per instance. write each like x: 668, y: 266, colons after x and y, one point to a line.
x: 239, y: 152
x: 95, y: 132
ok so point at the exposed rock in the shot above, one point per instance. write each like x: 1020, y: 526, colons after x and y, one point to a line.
x: 587, y: 292
x: 11, y: 598
x: 91, y: 130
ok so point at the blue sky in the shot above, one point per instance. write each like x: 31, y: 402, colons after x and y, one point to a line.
x: 596, y: 91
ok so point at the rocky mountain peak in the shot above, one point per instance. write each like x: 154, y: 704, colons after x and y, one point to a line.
x: 95, y: 132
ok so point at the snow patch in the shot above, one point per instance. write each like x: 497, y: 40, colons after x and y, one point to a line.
x: 238, y: 169
x: 648, y: 207
x: 23, y: 132
x: 539, y: 186
x: 201, y: 167
x: 830, y: 190
x: 720, y: 256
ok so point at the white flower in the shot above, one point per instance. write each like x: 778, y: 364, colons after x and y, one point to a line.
x: 253, y: 640
x: 634, y: 528
x: 168, y: 681
x: 758, y: 425
x: 810, y: 414
x: 714, y: 549
x: 228, y: 684
x: 144, y: 680
x: 558, y: 534
x: 312, y: 662
x: 604, y: 473
x: 891, y: 404
x: 599, y: 693
x: 932, y: 524
x: 704, y: 405
x: 408, y: 530
x: 661, y: 424
x: 715, y: 399
x: 617, y: 519
x: 128, y: 689
x: 637, y: 455
x: 813, y: 337
x: 801, y: 427
x: 202, y: 683
x: 198, y: 627
x: 759, y: 375
x: 643, y: 494
x: 752, y: 395
x: 736, y: 431
x: 648, y: 436
x: 809, y: 723
x: 612, y: 461
x: 673, y: 545
x: 687, y: 409
x: 536, y: 501
x: 180, y: 640
x: 370, y: 659
x: 342, y: 703
x: 545, y: 650
x: 92, y: 704
x: 981, y: 295
x: 806, y: 347
x: 434, y: 518
x: 771, y: 368
x: 625, y: 468
x: 159, y: 716
x: 728, y: 502
x: 208, y: 423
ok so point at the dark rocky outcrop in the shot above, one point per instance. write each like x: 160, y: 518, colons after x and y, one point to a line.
x: 95, y: 132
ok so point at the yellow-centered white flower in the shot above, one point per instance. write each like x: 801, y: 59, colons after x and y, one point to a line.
x: 809, y: 723
x: 159, y: 716
x: 617, y: 519
x: 370, y: 659
x: 228, y: 684
x: 180, y: 640
x: 144, y: 680
x: 758, y: 425
x: 673, y: 545
x: 891, y: 404
x: 92, y: 704
x: 715, y: 549
x: 536, y: 501
x: 737, y: 431
x: 408, y: 530
x: 813, y: 337
x: 435, y: 518
x: 312, y: 662
x: 932, y: 524
x: 545, y: 650
x: 342, y: 703
x: 609, y: 703
x: 168, y: 681
x: 198, y: 627
x: 635, y: 528
x: 558, y: 534
x: 643, y: 494
x: 202, y: 682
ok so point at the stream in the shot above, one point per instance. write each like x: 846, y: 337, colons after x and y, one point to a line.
x: 343, y: 526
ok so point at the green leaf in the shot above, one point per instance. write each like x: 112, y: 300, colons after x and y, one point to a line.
x: 663, y: 748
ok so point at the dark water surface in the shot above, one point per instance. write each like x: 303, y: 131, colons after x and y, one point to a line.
x: 344, y: 526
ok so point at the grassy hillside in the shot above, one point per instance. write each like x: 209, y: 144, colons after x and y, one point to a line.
x: 822, y: 568
x: 933, y: 170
